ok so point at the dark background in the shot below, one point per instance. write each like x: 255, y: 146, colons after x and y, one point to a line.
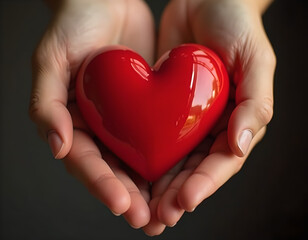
x: 267, y: 200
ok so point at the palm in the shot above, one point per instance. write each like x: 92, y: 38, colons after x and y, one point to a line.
x: 235, y: 32
x: 82, y: 32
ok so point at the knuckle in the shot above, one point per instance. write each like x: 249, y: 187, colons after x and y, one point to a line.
x: 102, y: 178
x: 39, y: 56
x: 95, y: 183
x: 265, y: 111
x: 34, y: 106
x: 47, y: 55
x: 266, y: 55
x: 207, y: 178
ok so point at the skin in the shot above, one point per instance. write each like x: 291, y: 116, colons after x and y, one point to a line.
x: 78, y: 28
x: 232, y: 28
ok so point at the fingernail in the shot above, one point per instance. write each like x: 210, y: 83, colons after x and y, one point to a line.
x: 191, y: 210
x: 55, y: 143
x: 172, y: 225
x: 134, y: 227
x: 244, y: 141
x: 116, y: 214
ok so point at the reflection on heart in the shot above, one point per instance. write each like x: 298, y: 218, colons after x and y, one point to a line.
x: 152, y: 117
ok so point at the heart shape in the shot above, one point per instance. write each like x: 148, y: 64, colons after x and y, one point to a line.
x: 152, y: 117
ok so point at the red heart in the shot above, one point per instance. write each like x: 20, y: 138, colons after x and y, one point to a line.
x: 152, y: 117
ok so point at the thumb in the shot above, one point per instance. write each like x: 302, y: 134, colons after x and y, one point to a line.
x: 254, y: 100
x: 49, y: 97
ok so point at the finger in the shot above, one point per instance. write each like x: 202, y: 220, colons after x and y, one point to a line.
x: 174, y: 29
x: 77, y: 119
x: 138, y: 215
x: 142, y: 26
x: 49, y: 96
x: 85, y: 162
x: 154, y: 227
x: 220, y: 165
x: 160, y: 186
x: 254, y: 100
x: 169, y: 211
x: 222, y: 122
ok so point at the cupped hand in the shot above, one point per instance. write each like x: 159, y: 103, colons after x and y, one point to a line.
x: 234, y: 30
x: 79, y: 28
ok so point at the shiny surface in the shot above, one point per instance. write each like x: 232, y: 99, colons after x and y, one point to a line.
x: 152, y: 117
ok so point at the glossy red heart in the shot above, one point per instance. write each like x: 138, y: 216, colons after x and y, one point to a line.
x: 152, y: 117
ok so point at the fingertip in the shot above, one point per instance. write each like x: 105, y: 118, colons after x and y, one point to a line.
x: 85, y: 162
x: 185, y: 202
x: 121, y: 206
x: 154, y: 232
x: 138, y: 215
x: 243, y: 141
x: 168, y: 211
x: 55, y: 125
x: 55, y: 142
x: 154, y: 227
x: 197, y: 188
x: 239, y: 131
x: 60, y: 132
x: 113, y: 194
x: 240, y: 143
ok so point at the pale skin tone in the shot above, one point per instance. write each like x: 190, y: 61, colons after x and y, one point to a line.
x: 232, y: 28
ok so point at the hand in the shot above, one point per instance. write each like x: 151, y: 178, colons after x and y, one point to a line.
x: 233, y: 29
x: 78, y: 28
